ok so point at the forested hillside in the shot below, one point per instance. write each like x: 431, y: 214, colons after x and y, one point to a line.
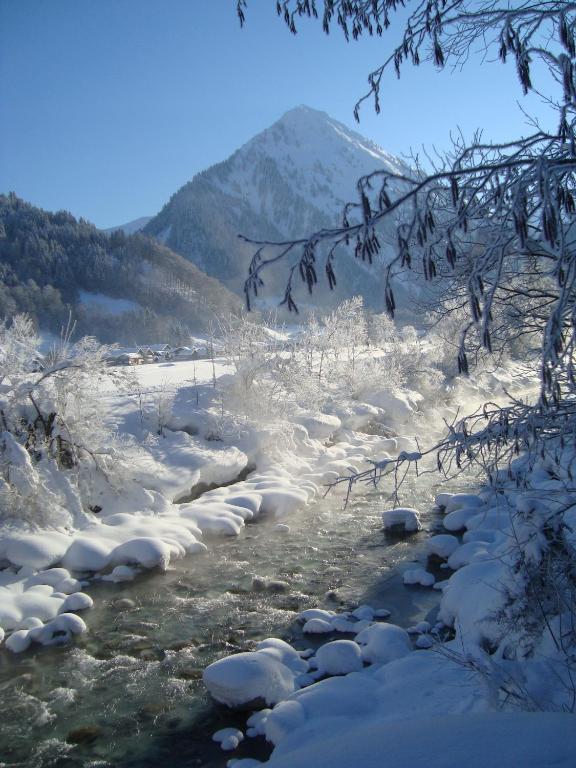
x: 127, y: 289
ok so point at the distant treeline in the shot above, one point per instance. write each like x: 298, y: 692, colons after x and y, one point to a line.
x: 47, y: 259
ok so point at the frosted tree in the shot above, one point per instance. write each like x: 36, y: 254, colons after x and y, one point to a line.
x: 491, y: 226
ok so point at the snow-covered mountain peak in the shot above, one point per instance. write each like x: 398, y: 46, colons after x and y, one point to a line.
x: 290, y: 180
x: 307, y: 122
x: 318, y: 157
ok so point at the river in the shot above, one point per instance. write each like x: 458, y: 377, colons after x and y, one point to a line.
x: 129, y: 694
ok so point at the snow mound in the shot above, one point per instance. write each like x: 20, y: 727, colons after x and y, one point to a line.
x: 472, y: 551
x: 146, y: 551
x: 382, y: 643
x: 340, y: 657
x: 318, y: 627
x: 283, y: 652
x: 398, y: 406
x: 458, y: 519
x: 267, y: 675
x: 472, y: 599
x: 215, y: 518
x: 59, y: 631
x: 320, y: 426
x: 403, y: 518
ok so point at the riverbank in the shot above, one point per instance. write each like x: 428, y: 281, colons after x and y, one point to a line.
x: 490, y: 681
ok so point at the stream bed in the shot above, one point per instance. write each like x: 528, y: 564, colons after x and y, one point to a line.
x: 129, y: 694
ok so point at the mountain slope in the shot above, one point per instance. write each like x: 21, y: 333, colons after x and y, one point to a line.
x: 127, y: 289
x: 287, y: 181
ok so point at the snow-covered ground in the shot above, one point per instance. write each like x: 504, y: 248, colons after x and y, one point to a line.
x: 138, y: 526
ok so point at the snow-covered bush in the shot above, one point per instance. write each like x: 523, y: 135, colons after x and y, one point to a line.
x: 334, y: 356
x: 256, y: 390
x: 56, y: 440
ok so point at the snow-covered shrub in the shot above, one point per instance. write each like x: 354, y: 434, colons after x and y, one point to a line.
x: 56, y: 441
x: 335, y: 356
x: 256, y: 389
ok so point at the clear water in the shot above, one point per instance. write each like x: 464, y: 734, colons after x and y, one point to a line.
x: 130, y: 694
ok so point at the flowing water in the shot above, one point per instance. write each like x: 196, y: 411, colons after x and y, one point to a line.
x: 130, y: 693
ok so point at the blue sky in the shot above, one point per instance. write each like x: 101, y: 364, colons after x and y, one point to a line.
x: 108, y: 106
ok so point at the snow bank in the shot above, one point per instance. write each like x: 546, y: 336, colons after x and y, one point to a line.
x: 35, y: 550
x: 28, y: 600
x: 530, y: 740
x: 141, y: 528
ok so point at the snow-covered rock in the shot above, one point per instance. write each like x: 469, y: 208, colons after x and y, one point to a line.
x: 458, y: 519
x: 472, y: 551
x: 340, y: 657
x: 283, y: 652
x: 420, y: 628
x: 121, y: 573
x: 19, y: 641
x: 315, y: 613
x: 244, y: 679
x: 228, y: 738
x: 145, y: 551
x: 456, y: 501
x: 403, y: 518
x: 77, y: 601
x: 318, y: 627
x: 363, y: 613
x: 442, y: 545
x: 418, y: 576
x: 382, y: 643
